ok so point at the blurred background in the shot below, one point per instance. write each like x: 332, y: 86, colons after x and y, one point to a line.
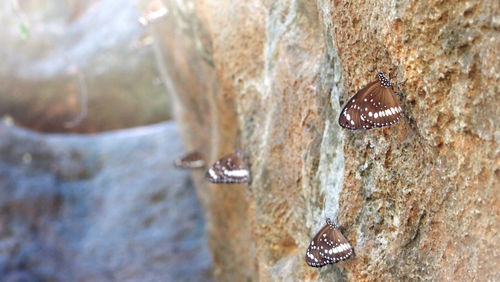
x: 87, y: 187
x: 63, y: 59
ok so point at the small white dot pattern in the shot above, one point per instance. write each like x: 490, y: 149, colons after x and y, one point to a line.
x: 384, y: 81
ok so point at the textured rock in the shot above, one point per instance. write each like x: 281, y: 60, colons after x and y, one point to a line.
x: 93, y: 49
x: 108, y: 207
x: 418, y: 200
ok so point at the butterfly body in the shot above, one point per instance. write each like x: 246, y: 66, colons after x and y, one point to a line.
x: 231, y: 168
x: 329, y: 246
x: 376, y: 105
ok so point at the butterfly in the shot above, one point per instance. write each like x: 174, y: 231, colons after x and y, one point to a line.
x: 376, y: 105
x: 193, y: 159
x: 231, y: 168
x: 329, y: 246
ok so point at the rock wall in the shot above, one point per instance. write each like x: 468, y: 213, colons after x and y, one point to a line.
x: 419, y: 200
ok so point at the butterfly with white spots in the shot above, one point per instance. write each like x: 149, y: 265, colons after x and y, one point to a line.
x: 329, y: 246
x: 376, y: 105
x: 231, y: 168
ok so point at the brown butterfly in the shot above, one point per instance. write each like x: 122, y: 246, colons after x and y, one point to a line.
x: 231, y: 168
x: 190, y: 160
x: 329, y: 246
x: 376, y: 105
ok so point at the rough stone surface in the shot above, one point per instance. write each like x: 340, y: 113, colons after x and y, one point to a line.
x: 418, y: 200
x: 108, y: 207
x: 77, y: 47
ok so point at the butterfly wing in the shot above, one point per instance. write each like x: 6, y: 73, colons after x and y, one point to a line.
x: 384, y: 108
x: 313, y: 257
x: 190, y: 160
x: 231, y: 168
x: 352, y: 115
x: 334, y: 246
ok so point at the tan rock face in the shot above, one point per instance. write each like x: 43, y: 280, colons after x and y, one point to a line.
x: 418, y: 200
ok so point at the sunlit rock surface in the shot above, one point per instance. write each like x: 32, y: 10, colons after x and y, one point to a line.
x: 418, y: 200
x: 108, y: 207
x: 59, y: 55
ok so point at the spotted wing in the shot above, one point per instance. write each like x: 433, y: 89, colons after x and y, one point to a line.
x: 382, y: 107
x: 352, y: 116
x: 334, y: 246
x: 231, y: 168
x: 313, y: 257
x: 191, y: 160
